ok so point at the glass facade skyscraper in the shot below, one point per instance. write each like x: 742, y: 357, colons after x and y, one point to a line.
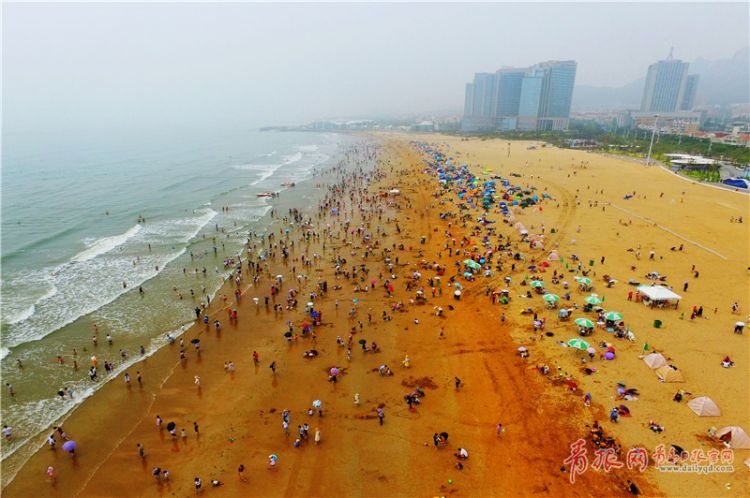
x: 668, y: 87
x: 688, y: 97
x: 479, y: 103
x: 537, y: 97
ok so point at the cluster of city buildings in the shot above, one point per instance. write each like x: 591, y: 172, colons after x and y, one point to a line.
x: 538, y: 98
x: 524, y: 99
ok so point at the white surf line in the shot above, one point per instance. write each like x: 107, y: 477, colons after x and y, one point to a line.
x: 670, y: 231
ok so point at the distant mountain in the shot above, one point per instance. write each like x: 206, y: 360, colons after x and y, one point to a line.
x: 603, y: 98
x: 722, y: 82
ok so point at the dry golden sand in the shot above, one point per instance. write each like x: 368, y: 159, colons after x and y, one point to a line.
x: 694, y: 215
x: 239, y: 415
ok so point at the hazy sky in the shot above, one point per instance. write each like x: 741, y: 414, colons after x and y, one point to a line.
x: 184, y: 64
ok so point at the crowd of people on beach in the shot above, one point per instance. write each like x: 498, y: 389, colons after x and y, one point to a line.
x: 354, y: 234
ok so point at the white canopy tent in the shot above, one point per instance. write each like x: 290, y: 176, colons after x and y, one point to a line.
x: 658, y: 294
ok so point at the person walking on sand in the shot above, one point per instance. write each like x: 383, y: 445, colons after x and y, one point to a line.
x: 197, y: 381
x: 457, y: 382
x: 500, y: 429
x: 272, y: 366
x: 356, y: 399
x: 241, y: 473
x: 317, y: 435
x: 141, y: 451
x: 381, y: 415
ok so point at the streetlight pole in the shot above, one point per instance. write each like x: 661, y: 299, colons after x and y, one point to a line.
x: 651, y: 145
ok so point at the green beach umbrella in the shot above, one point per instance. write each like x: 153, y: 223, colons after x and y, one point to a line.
x: 613, y: 315
x: 537, y: 283
x: 584, y: 280
x: 593, y: 299
x: 551, y: 298
x: 472, y: 264
x: 578, y: 344
x: 584, y: 322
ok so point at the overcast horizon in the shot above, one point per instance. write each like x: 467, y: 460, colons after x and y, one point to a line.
x: 70, y: 66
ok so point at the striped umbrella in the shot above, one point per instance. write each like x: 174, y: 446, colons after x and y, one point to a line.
x: 613, y: 315
x: 593, y: 299
x: 551, y: 298
x: 584, y: 322
x: 578, y: 344
x: 584, y: 280
x: 537, y: 283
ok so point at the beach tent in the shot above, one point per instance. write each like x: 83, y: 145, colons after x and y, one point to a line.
x: 735, y: 436
x: 658, y: 293
x: 669, y: 374
x: 655, y: 360
x: 736, y: 182
x: 704, y: 407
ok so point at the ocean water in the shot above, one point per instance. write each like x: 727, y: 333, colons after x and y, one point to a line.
x: 74, y: 253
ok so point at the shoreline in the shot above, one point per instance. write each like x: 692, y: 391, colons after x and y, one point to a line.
x: 75, y: 333
x: 20, y: 454
x: 414, y: 186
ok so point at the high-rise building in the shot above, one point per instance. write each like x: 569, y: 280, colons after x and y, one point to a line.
x: 533, y: 98
x: 531, y: 94
x: 508, y: 82
x: 688, y: 97
x: 668, y: 87
x: 557, y: 95
x: 480, y: 103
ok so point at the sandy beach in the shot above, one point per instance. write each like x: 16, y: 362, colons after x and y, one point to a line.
x: 585, y: 213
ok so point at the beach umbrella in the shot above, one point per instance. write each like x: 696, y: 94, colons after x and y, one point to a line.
x: 578, y: 344
x: 613, y: 316
x: 591, y: 350
x: 537, y: 283
x: 362, y: 341
x: 551, y: 298
x: 584, y: 322
x: 467, y: 274
x: 472, y: 264
x: 609, y: 355
x: 584, y: 280
x: 287, y: 334
x: 317, y: 403
x: 310, y: 304
x: 457, y: 293
x: 334, y: 371
x: 593, y: 299
x: 522, y: 349
x: 69, y: 446
x: 355, y: 300
x: 171, y: 426
x: 195, y: 341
